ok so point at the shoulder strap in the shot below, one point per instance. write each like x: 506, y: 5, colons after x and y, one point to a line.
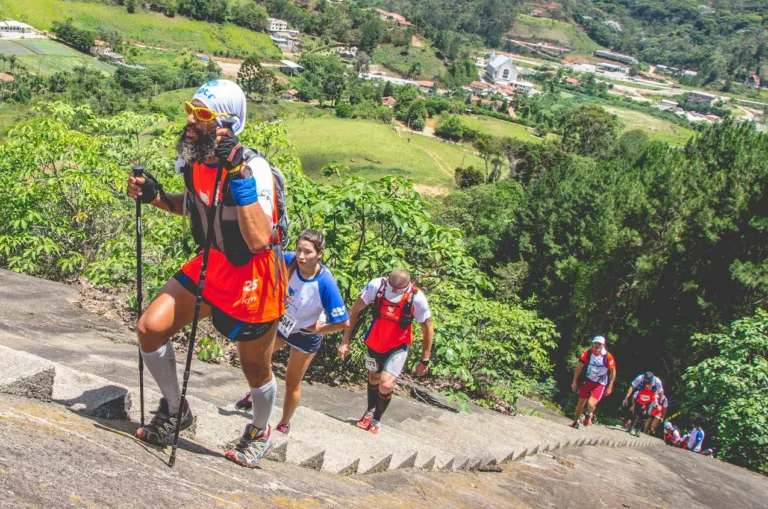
x: 380, y: 293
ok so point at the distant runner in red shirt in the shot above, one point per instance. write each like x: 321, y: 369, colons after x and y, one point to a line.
x: 396, y: 304
x: 597, y: 379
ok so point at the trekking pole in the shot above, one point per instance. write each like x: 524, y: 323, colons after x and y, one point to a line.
x: 138, y: 171
x: 211, y: 214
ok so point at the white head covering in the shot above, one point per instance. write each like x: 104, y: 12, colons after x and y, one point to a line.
x: 224, y: 96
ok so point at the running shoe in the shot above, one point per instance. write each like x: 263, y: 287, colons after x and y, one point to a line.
x: 375, y: 427
x: 163, y: 424
x: 365, y: 420
x: 628, y: 424
x: 253, y: 445
x: 284, y: 428
x: 634, y: 433
x: 588, y: 419
x: 245, y: 403
x: 575, y: 425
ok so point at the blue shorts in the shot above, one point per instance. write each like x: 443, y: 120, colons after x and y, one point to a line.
x: 304, y: 342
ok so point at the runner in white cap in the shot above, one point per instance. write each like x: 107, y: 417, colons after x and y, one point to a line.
x: 596, y: 380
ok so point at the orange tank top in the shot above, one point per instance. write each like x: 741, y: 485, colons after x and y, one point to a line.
x: 249, y: 292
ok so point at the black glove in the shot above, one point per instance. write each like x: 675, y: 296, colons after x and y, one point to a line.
x: 229, y: 151
x: 149, y: 188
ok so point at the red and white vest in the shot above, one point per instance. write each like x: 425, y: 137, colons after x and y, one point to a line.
x: 392, y: 323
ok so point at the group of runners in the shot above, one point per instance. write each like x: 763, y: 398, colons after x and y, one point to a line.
x: 257, y: 296
x: 594, y: 377
x: 264, y: 300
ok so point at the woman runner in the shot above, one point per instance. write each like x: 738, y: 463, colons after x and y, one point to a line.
x: 314, y: 308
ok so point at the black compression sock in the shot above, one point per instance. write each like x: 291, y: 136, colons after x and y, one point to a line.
x: 381, y: 405
x: 373, y: 395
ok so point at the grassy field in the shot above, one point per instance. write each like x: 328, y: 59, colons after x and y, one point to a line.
x: 497, y: 127
x: 373, y: 150
x: 146, y: 27
x: 391, y: 57
x: 656, y: 128
x: 48, y: 57
x: 566, y: 34
x: 370, y: 149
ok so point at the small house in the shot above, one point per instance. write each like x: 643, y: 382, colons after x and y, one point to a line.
x: 536, y: 13
x: 276, y: 25
x: 11, y: 28
x: 572, y: 82
x: 399, y: 19
x: 480, y: 87
x: 290, y: 68
x: 388, y: 101
x: 698, y: 97
x: 290, y: 95
x: 752, y: 81
x: 347, y: 52
x: 425, y: 86
x: 284, y: 43
x: 606, y: 67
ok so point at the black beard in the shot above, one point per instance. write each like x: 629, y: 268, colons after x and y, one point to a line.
x: 198, y: 150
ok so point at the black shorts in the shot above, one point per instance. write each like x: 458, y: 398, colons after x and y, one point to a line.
x: 232, y: 328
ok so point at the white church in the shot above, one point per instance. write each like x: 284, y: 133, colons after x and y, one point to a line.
x: 500, y: 70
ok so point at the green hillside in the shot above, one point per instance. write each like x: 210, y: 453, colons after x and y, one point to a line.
x: 402, y: 61
x: 146, y: 27
x: 558, y: 32
x: 373, y: 150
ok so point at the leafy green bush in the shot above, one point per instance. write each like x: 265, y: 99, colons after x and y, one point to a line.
x: 729, y: 390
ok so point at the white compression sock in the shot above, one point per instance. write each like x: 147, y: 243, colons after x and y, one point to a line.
x: 263, y: 399
x: 162, y: 365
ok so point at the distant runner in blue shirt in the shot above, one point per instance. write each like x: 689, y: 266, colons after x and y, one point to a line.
x: 694, y: 439
x: 314, y: 307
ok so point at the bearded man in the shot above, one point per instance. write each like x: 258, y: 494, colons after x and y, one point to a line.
x: 243, y: 293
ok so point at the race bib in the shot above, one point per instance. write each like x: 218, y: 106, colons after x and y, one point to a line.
x: 371, y: 364
x: 287, y: 323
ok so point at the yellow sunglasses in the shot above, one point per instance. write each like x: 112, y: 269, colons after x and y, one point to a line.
x: 203, y: 114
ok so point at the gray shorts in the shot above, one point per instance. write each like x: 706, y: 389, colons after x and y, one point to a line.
x: 391, y: 361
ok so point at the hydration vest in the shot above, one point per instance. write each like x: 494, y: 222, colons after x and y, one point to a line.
x: 227, y: 237
x: 603, y: 378
x: 392, y: 322
x: 645, y: 396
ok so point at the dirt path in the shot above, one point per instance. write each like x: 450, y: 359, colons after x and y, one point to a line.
x: 416, y: 42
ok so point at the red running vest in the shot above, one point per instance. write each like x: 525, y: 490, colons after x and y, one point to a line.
x: 385, y: 332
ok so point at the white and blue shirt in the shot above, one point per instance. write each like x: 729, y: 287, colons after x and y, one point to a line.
x: 695, y: 439
x: 309, y: 298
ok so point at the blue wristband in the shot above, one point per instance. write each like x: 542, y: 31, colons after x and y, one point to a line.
x: 244, y: 191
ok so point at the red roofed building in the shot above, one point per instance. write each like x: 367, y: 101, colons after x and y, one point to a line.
x: 480, y: 87
x: 753, y: 81
x: 388, y: 101
x: 393, y: 16
x: 572, y: 81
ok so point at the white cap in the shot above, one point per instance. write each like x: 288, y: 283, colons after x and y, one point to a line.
x: 599, y: 339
